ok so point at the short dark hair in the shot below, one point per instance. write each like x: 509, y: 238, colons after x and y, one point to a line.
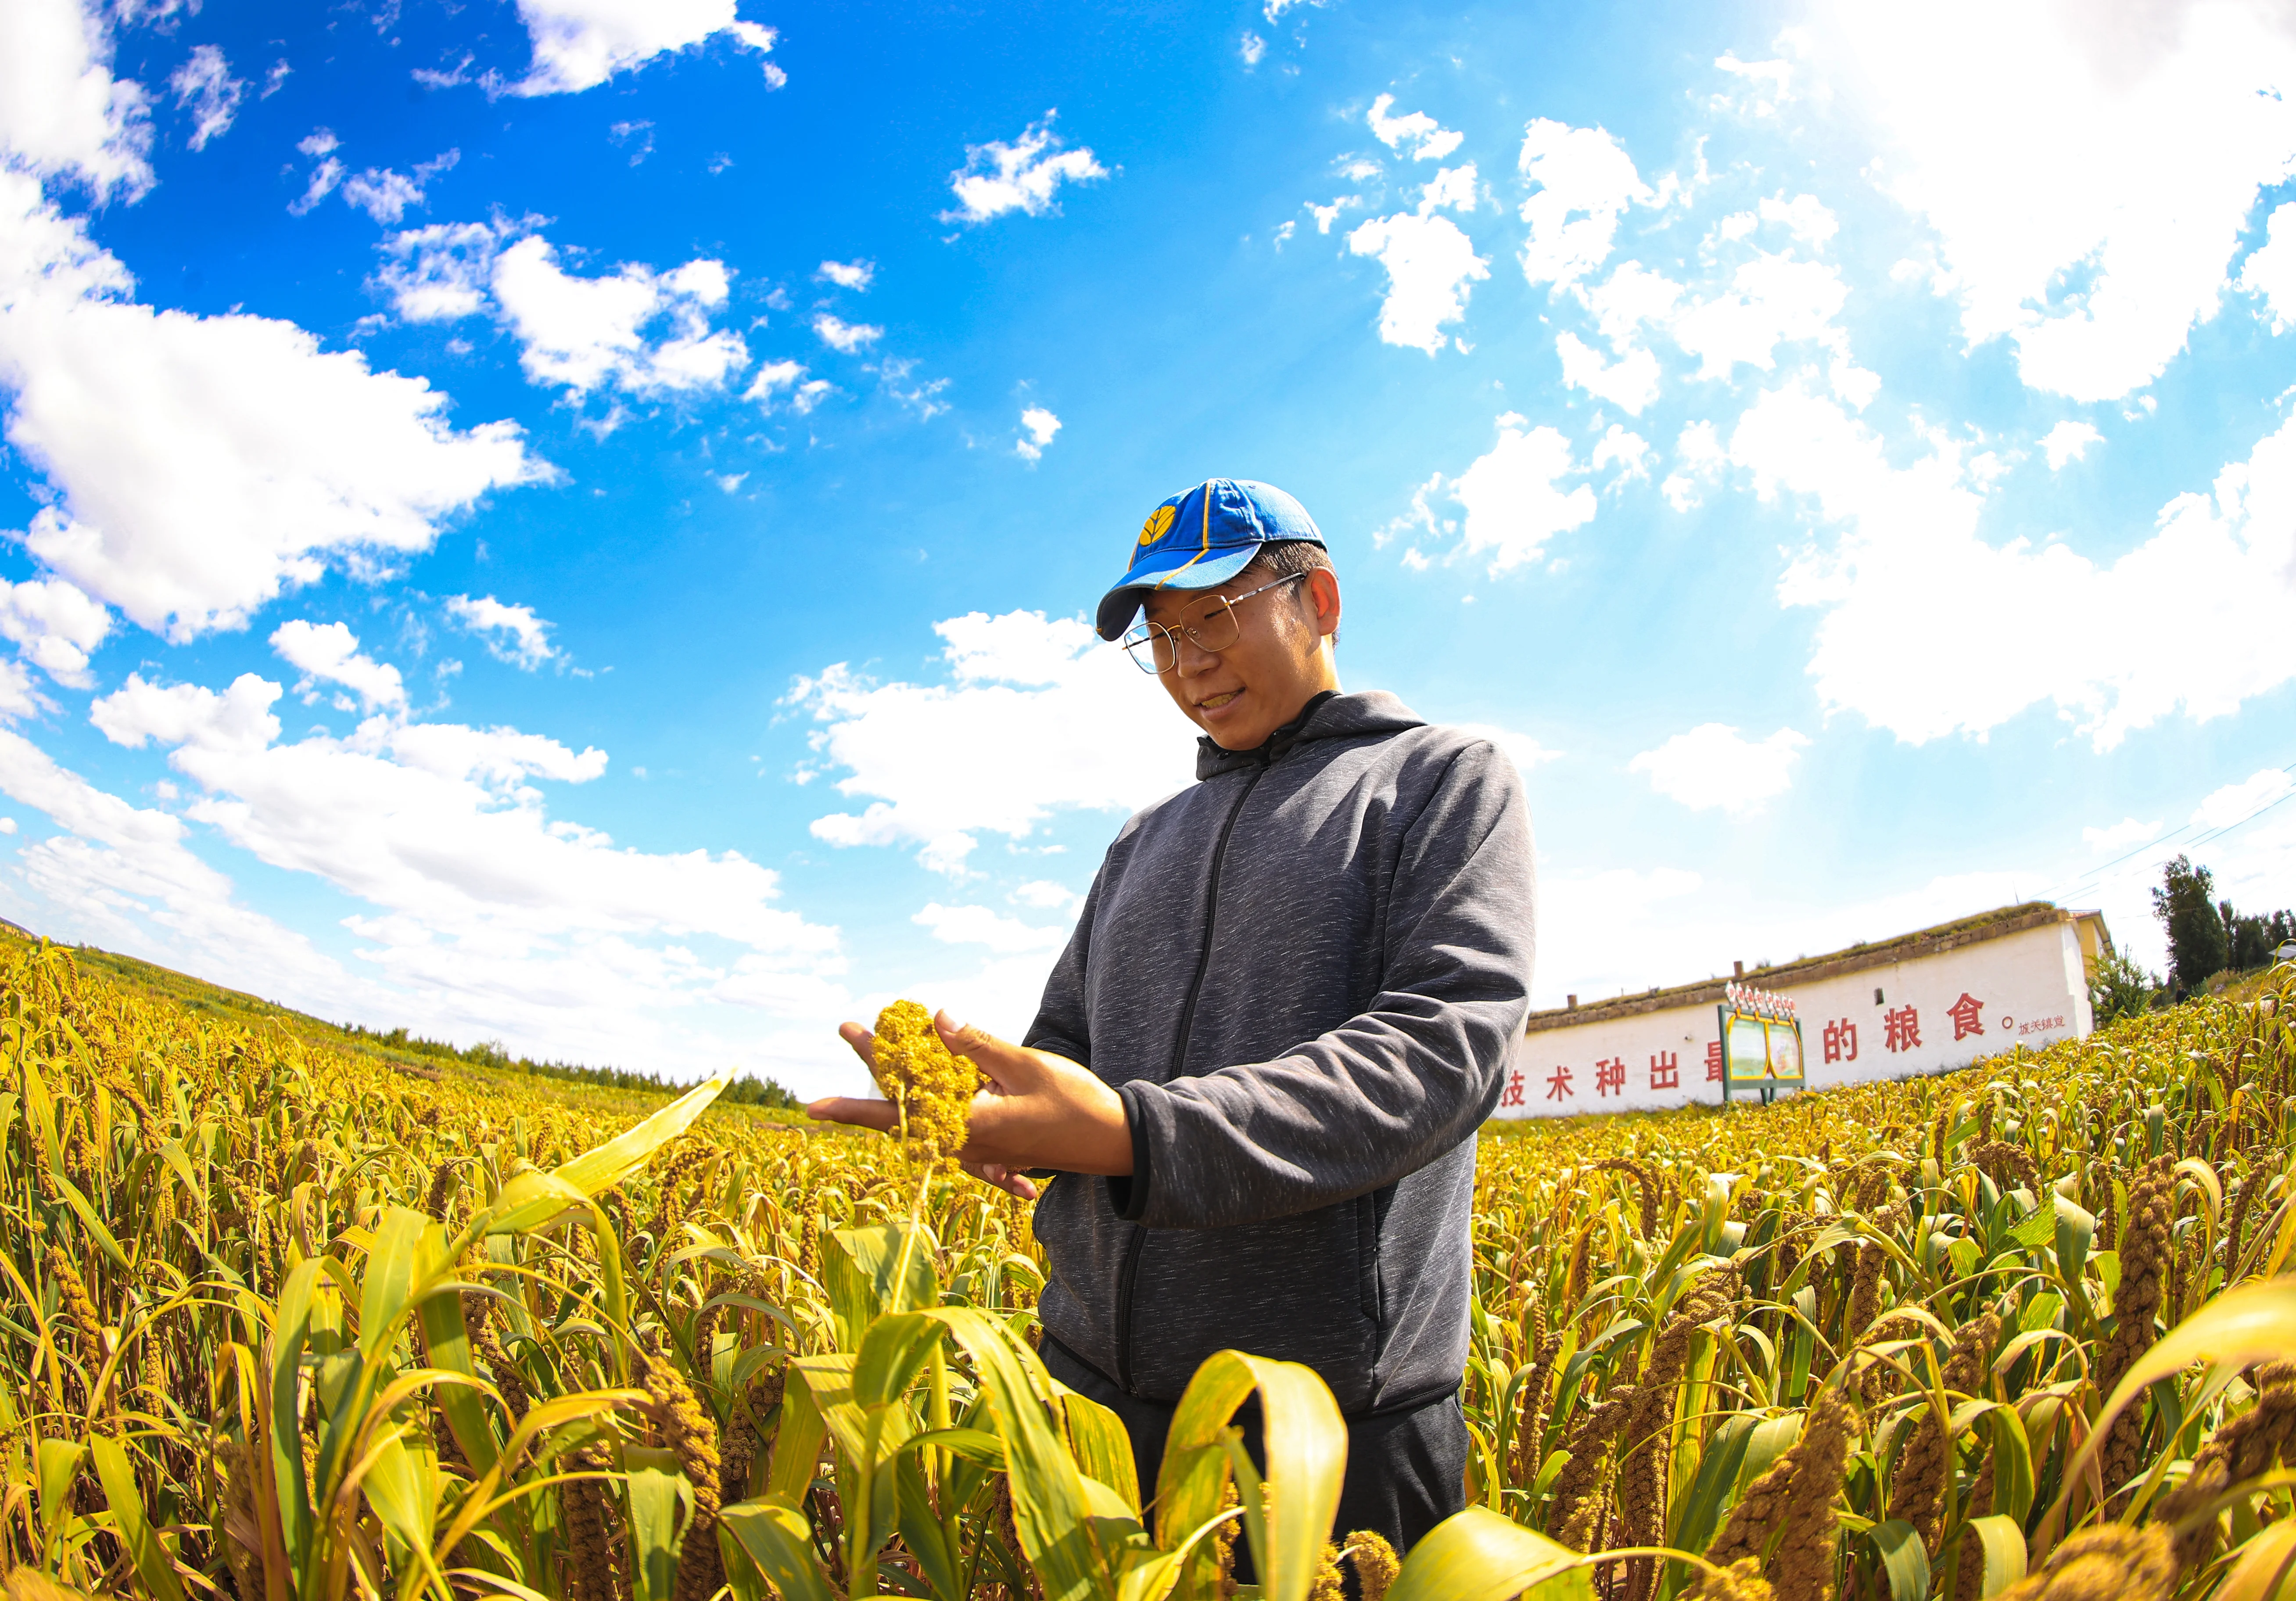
x: 1285, y: 558
x: 1282, y: 559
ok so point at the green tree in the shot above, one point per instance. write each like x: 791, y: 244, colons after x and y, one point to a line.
x: 2185, y: 904
x: 2119, y: 989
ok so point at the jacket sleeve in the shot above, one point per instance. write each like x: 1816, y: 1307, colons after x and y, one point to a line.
x: 1396, y: 1085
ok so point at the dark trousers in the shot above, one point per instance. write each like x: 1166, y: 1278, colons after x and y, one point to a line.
x: 1406, y: 1470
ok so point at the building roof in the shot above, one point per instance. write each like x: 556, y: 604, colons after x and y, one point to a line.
x: 1922, y: 942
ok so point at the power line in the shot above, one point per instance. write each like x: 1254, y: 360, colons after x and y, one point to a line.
x: 2073, y: 885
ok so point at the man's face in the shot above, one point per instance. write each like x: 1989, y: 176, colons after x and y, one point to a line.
x: 1241, y: 694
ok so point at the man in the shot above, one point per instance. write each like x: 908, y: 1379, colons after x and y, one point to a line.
x: 1287, y: 1005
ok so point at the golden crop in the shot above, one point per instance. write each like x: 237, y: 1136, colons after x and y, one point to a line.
x: 280, y: 1320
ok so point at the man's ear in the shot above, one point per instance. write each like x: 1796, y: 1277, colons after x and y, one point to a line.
x: 1322, y: 588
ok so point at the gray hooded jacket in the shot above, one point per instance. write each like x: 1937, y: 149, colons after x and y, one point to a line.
x: 1304, y: 975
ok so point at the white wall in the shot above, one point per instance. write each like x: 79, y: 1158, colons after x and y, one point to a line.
x: 2028, y: 986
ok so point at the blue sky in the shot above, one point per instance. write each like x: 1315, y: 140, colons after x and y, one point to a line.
x: 570, y: 522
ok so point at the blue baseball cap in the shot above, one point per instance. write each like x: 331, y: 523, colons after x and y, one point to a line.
x: 1201, y: 536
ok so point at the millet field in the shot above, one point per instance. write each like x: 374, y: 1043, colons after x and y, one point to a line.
x: 288, y: 1320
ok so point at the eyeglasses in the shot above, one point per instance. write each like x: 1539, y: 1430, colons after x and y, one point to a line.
x: 1156, y: 649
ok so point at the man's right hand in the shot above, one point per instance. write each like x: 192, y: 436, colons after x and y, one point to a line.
x: 1038, y: 1111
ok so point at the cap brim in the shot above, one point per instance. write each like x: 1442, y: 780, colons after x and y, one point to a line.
x: 1118, y: 606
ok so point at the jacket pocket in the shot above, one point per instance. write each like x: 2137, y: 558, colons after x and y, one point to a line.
x: 1293, y: 1289
x: 1368, y: 1284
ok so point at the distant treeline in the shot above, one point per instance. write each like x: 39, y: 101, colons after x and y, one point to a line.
x: 747, y: 1090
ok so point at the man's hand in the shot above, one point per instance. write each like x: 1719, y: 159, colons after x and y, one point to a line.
x: 1039, y: 1111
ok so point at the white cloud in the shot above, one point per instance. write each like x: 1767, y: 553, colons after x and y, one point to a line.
x: 204, y: 83
x: 1767, y: 84
x: 2068, y: 442
x: 1771, y: 300
x: 56, y: 625
x: 18, y: 698
x: 1511, y: 498
x: 1700, y: 458
x: 2235, y: 803
x: 776, y: 379
x: 1418, y: 136
x: 1010, y: 679
x: 513, y: 634
x: 439, y: 273
x: 2270, y: 269
x: 838, y: 334
x: 580, y: 43
x: 320, y: 144
x: 2127, y: 834
x: 485, y: 909
x: 1587, y: 181
x: 1714, y: 765
x: 1251, y: 47
x: 1040, y: 425
x: 589, y: 333
x: 1629, y: 451
x: 2089, y: 172
x: 201, y: 464
x: 977, y: 925
x: 383, y: 194
x: 1045, y: 896
x: 1430, y: 264
x: 1631, y: 383
x: 1806, y: 216
x: 1521, y: 749
x: 329, y: 652
x: 896, y: 376
x: 850, y: 274
x: 1325, y: 215
x: 1631, y: 296
x: 1927, y: 629
x: 62, y: 114
x: 118, y: 874
x: 1023, y: 176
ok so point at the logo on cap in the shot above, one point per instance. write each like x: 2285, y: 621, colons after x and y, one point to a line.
x: 1159, y: 522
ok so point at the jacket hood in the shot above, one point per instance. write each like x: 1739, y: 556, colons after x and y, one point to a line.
x: 1327, y: 716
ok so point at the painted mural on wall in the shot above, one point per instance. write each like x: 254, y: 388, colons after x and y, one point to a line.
x: 1888, y: 1020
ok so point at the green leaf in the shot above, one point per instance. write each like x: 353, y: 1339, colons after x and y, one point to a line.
x: 386, y: 1284
x: 893, y: 1352
x: 1478, y: 1555
x: 2261, y: 1573
x: 655, y: 1489
x: 859, y: 1270
x: 774, y: 1535
x: 1102, y: 1451
x: 152, y: 1566
x: 602, y: 1167
x: 290, y: 1332
x: 2035, y: 1228
x: 59, y: 1461
x: 89, y: 1220
x: 2013, y: 1466
x: 1711, y: 1493
x: 2254, y: 1323
x: 1903, y: 1558
x: 1049, y: 1504
x: 2002, y: 1538
x: 1304, y: 1445
x: 2076, y: 1231
x: 401, y: 1486
x: 448, y: 1339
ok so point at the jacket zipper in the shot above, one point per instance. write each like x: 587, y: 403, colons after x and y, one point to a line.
x: 1130, y: 1273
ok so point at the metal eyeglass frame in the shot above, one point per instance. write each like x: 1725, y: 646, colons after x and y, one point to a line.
x: 1155, y: 635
